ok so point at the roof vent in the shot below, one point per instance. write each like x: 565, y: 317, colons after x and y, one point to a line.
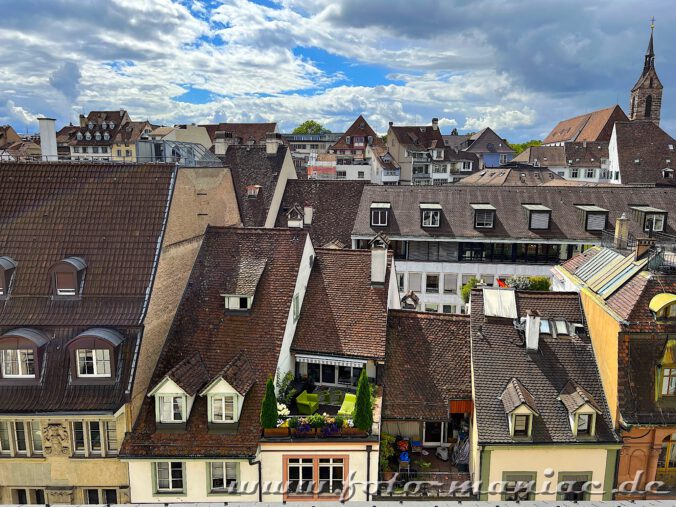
x: 532, y: 330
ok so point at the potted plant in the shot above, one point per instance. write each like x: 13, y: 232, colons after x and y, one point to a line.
x: 300, y: 427
x: 386, y: 454
x: 363, y: 407
x: 269, y: 415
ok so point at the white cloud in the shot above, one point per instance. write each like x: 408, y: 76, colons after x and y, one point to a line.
x: 18, y: 114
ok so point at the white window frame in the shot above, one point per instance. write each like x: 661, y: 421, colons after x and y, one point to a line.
x: 503, y: 158
x: 428, y: 217
x: 481, y: 217
x: 217, y: 399
x: 379, y: 213
x: 87, y: 427
x: 227, y: 469
x: 655, y: 219
x: 296, y: 307
x: 590, y: 424
x: 517, y: 432
x: 22, y: 362
x: 80, y: 354
x: 332, y: 464
x: 162, y: 400
x: 574, y: 173
x: 170, y: 468
x: 561, y: 327
x: 590, y: 172
x: 233, y: 302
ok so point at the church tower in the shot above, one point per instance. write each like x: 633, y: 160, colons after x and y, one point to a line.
x: 646, y: 95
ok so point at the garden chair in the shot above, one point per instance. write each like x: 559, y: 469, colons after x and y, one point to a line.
x: 307, y: 403
x: 347, y: 408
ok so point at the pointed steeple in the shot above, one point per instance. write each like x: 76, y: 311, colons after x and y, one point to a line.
x: 650, y: 53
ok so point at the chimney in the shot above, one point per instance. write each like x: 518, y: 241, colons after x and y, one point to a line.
x: 435, y: 123
x: 391, y: 123
x: 307, y: 215
x: 83, y: 120
x: 643, y: 246
x: 532, y: 330
x: 621, y: 232
x: 378, y: 263
x: 48, y: 139
x: 272, y: 142
x: 222, y: 140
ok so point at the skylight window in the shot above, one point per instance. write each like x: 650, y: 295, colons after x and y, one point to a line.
x: 561, y: 327
x: 544, y: 327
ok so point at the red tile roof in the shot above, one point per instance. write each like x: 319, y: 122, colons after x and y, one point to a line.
x: 594, y: 126
x: 245, y: 132
x: 360, y: 127
x: 650, y: 145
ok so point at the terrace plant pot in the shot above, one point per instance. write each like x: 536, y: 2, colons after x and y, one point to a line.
x: 354, y: 432
x: 303, y: 433
x: 275, y: 432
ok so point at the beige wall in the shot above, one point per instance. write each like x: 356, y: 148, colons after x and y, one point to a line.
x: 272, y: 462
x: 558, y: 459
x: 60, y: 475
x: 202, y: 196
x: 196, y: 483
x: 288, y: 172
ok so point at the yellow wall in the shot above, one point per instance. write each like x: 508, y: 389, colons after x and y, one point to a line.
x: 604, y: 330
x: 123, y: 156
x: 538, y: 459
x: 63, y: 471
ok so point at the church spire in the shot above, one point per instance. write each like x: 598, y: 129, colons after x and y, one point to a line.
x: 650, y: 53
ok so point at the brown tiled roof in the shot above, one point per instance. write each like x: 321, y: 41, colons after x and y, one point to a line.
x: 574, y: 263
x: 245, y: 132
x: 202, y: 325
x: 574, y: 396
x: 190, y: 374
x: 418, y: 137
x: 239, y: 373
x: 360, y: 127
x: 251, y: 165
x: 334, y: 204
x: 646, y: 142
x: 487, y: 141
x: 65, y: 133
x: 427, y: 365
x: 548, y: 156
x: 515, y: 395
x: 455, y: 141
x: 132, y: 131
x: 585, y: 154
x: 457, y: 220
x: 245, y: 280
x: 513, y: 174
x: 594, y: 126
x: 112, y: 216
x: 499, y: 355
x: 343, y: 315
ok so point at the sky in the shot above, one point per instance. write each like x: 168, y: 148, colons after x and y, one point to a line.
x: 518, y: 66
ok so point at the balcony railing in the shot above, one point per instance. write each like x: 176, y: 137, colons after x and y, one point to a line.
x: 426, y: 484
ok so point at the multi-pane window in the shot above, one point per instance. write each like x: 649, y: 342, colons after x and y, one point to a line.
x: 18, y: 363
x: 28, y: 496
x: 584, y: 424
x: 432, y: 307
x: 5, y: 446
x: 654, y: 222
x: 573, y: 487
x: 96, y: 496
x: 20, y: 438
x: 483, y: 219
x: 669, y: 381
x: 521, y: 423
x: 330, y: 476
x: 574, y: 172
x: 334, y: 375
x: 111, y: 436
x: 518, y: 487
x: 432, y: 283
x: 94, y: 437
x: 93, y: 362
x: 301, y: 476
x: 223, y: 408
x: 315, y: 477
x: 169, y: 477
x: 590, y: 172
x: 171, y: 409
x: 431, y: 218
x: 223, y: 476
x: 466, y: 166
x: 379, y: 217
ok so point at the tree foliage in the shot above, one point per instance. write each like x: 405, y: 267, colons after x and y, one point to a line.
x: 519, y: 147
x: 310, y: 127
x: 467, y: 288
x: 520, y: 282
x: 269, y: 406
x: 363, y: 410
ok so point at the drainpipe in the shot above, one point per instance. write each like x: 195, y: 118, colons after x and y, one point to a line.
x: 254, y: 461
x: 369, y: 449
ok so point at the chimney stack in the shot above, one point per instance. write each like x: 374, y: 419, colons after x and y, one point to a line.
x: 222, y: 140
x: 435, y: 123
x: 308, y: 211
x: 48, y: 139
x: 378, y: 246
x: 643, y: 246
x: 391, y: 123
x: 532, y: 331
x: 621, y: 232
x: 272, y: 142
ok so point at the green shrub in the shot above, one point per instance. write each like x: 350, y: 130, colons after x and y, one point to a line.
x: 521, y: 282
x: 467, y: 288
x: 269, y: 406
x: 285, y: 393
x: 363, y: 410
x: 518, y: 282
x: 316, y: 420
x: 293, y: 422
x: 386, y: 451
x: 540, y: 283
x: 340, y: 422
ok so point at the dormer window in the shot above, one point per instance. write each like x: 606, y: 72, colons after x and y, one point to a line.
x: 252, y: 191
x: 93, y: 363
x: 380, y: 214
x: 520, y: 408
x: 92, y: 354
x: 106, y: 136
x: 104, y: 125
x: 223, y: 408
x: 68, y: 277
x: 653, y: 219
x: 484, y: 216
x: 430, y: 214
x: 522, y: 424
x: 90, y: 125
x: 112, y: 125
x: 595, y: 217
x: 88, y: 136
x: 97, y: 136
x: 226, y: 392
x: 7, y: 269
x: 582, y: 409
x: 20, y: 354
x: 663, y: 306
x: 79, y: 136
x: 584, y: 424
x: 241, y: 303
x: 171, y: 408
x: 538, y: 216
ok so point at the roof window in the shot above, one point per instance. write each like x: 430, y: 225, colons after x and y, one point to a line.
x: 430, y: 214
x: 68, y: 277
x: 7, y: 269
x: 252, y: 191
x: 538, y: 216
x: 88, y: 136
x: 92, y: 354
x: 97, y: 136
x: 21, y: 352
x: 79, y: 136
x: 484, y: 216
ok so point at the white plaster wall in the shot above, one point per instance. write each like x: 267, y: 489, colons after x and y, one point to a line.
x: 614, y: 158
x: 288, y: 172
x: 196, y: 484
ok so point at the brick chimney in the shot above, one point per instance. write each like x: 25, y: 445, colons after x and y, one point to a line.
x: 621, y: 232
x: 532, y: 331
x: 272, y: 142
x: 643, y: 246
x: 435, y: 123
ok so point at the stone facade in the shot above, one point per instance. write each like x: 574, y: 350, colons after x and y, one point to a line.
x: 646, y: 95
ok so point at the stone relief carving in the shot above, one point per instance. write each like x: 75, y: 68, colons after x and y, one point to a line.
x: 60, y: 496
x: 55, y: 439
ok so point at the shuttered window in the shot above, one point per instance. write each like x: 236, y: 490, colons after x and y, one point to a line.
x: 539, y: 220
x: 596, y: 221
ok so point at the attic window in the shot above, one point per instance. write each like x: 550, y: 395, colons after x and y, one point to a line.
x: 88, y: 136
x: 252, y: 191
x: 484, y: 216
x: 97, y: 136
x: 430, y: 214
x: 538, y: 216
x: 92, y: 353
x: 522, y: 424
x: 171, y: 408
x: 595, y: 217
x: 20, y: 352
x: 379, y: 214
x: 68, y: 277
x: 79, y: 136
x: 7, y: 269
x: 348, y: 139
x: 104, y: 125
x: 671, y: 147
x: 112, y: 125
x: 90, y: 125
x: 584, y: 424
x: 238, y: 303
x: 561, y: 327
x: 106, y: 136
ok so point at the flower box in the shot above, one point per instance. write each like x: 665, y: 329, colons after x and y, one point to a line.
x: 276, y: 432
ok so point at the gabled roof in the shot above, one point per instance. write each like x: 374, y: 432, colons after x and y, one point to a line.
x: 574, y: 396
x: 513, y: 174
x: 239, y: 373
x: 487, y: 141
x: 343, y: 315
x: 252, y: 165
x: 515, y: 395
x: 360, y: 127
x: 548, y: 156
x: 201, y: 325
x: 594, y: 126
x: 427, y: 365
x: 190, y: 375
x: 499, y: 355
x: 650, y: 145
x: 456, y: 141
x: 244, y: 132
x: 334, y: 207
x: 418, y: 137
x: 585, y: 153
x: 245, y: 279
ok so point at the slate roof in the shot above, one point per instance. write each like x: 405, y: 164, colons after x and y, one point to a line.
x: 251, y: 165
x: 646, y: 142
x: 112, y: 216
x: 418, y: 137
x: 427, y: 365
x: 513, y: 174
x: 548, y: 156
x: 343, y: 315
x: 244, y: 132
x: 499, y: 355
x: 334, y: 204
x: 594, y: 126
x: 202, y: 325
x: 360, y: 127
x: 457, y: 219
x: 487, y: 141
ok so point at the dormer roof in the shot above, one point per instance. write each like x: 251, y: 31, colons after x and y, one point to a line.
x: 239, y: 373
x: 574, y: 397
x: 516, y: 395
x: 245, y: 277
x: 190, y: 375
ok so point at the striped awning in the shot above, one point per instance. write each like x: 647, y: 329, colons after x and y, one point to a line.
x: 336, y: 361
